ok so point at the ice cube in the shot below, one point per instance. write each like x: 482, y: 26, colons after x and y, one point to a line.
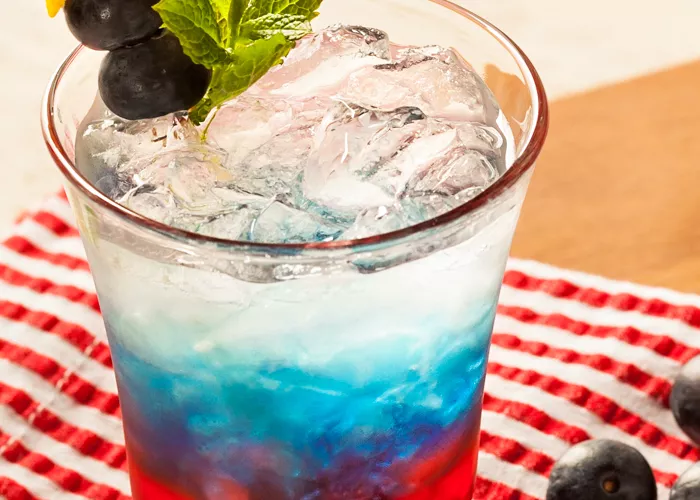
x: 279, y: 222
x: 187, y: 174
x: 155, y: 203
x: 108, y: 145
x: 272, y: 169
x: 353, y: 145
x: 321, y: 63
x: 234, y: 226
x: 377, y: 220
x: 351, y: 137
x: 366, y: 160
x: 453, y: 173
x: 403, y: 213
x: 246, y: 123
x: 267, y: 141
x: 433, y: 79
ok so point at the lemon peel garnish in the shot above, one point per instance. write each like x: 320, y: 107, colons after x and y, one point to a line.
x: 53, y: 6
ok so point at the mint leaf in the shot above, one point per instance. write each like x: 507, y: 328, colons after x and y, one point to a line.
x: 239, y: 40
x: 235, y: 15
x: 222, y: 8
x: 306, y: 8
x: 293, y: 27
x: 197, y: 25
x: 249, y: 64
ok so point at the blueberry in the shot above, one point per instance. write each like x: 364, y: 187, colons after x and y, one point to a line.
x: 688, y: 485
x: 110, y: 24
x: 685, y: 399
x: 151, y: 79
x: 602, y: 470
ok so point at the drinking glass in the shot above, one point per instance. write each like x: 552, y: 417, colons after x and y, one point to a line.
x: 344, y: 370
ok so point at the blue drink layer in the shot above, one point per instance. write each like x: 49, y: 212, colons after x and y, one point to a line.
x: 362, y: 419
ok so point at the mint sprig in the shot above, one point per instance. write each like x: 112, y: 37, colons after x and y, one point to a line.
x: 249, y: 64
x: 239, y: 40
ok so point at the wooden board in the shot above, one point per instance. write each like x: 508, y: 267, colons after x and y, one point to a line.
x: 617, y: 188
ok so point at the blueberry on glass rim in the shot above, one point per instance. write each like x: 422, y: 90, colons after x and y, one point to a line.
x: 151, y: 79
x: 230, y: 46
x: 602, y: 470
x: 111, y: 24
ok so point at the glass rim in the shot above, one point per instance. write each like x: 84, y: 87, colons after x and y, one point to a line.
x: 523, y: 163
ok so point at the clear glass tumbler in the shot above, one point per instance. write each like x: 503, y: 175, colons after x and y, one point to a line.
x: 348, y: 370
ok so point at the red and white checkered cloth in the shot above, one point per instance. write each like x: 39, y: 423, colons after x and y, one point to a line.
x: 574, y: 357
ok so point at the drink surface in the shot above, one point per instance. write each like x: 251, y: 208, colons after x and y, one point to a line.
x: 344, y: 385
x: 353, y: 136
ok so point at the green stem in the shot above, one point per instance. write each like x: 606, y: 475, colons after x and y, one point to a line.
x: 211, y: 120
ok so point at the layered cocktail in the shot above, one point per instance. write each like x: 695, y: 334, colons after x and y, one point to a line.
x: 299, y: 292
